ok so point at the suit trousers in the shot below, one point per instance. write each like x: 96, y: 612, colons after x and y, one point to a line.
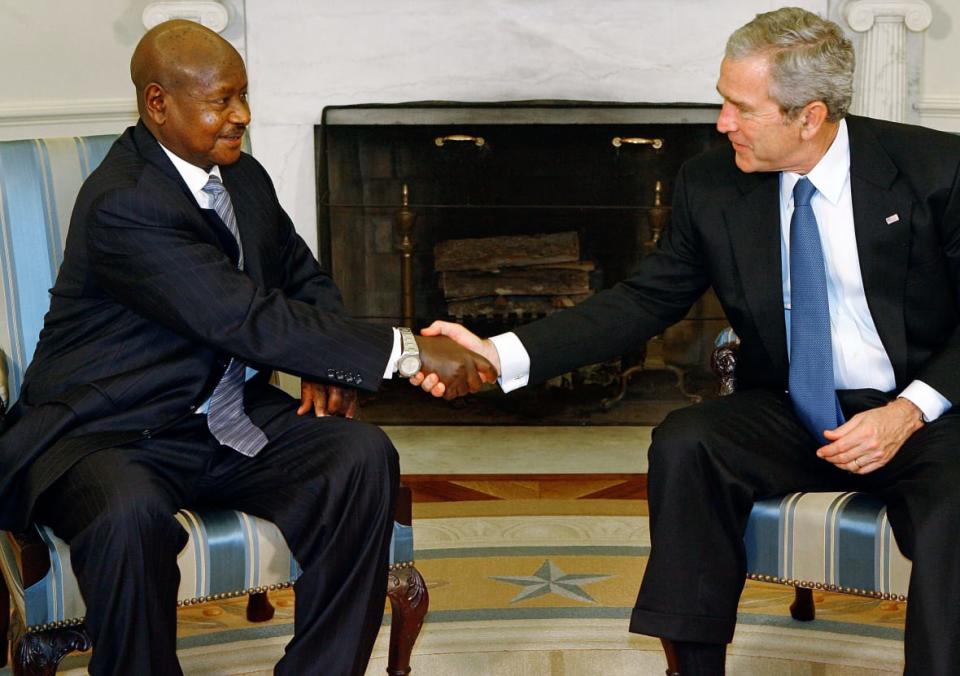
x: 710, y: 462
x: 329, y: 484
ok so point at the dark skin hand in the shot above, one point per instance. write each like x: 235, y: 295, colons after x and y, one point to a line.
x: 327, y: 400
x: 459, y: 369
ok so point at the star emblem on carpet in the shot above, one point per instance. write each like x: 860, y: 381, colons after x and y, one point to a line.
x: 549, y: 579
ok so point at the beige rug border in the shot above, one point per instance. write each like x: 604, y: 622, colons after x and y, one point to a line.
x: 533, y: 507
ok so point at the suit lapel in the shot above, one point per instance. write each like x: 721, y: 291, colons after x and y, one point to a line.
x: 883, y: 247
x: 246, y: 214
x: 149, y: 148
x: 754, y: 225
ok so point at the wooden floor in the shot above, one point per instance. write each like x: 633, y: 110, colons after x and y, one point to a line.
x: 448, y: 488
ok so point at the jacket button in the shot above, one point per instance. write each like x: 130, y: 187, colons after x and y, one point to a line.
x: 193, y: 408
x: 146, y: 433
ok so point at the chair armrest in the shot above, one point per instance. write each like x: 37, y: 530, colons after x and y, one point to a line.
x: 403, y: 513
x: 32, y: 555
x: 723, y: 361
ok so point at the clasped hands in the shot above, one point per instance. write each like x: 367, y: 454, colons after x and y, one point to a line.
x: 459, y: 361
x: 455, y: 362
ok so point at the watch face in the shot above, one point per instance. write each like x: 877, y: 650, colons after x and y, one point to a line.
x: 408, y: 365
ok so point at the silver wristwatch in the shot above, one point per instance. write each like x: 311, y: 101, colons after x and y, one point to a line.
x: 409, y: 362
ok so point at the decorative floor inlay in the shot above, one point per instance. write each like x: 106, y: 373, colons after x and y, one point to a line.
x: 531, y: 587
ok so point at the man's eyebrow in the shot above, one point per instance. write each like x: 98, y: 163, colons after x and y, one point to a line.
x: 739, y: 104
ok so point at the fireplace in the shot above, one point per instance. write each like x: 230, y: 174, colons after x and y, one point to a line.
x: 580, y: 191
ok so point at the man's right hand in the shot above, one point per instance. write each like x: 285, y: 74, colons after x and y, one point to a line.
x: 451, y: 369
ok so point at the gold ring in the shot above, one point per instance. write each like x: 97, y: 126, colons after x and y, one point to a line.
x: 857, y: 461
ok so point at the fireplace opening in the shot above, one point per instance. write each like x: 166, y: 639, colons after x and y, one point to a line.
x: 493, y: 215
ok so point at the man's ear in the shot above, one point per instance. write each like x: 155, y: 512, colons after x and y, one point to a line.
x: 812, y: 117
x: 155, y: 102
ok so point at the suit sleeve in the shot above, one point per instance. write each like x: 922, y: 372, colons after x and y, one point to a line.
x: 940, y: 371
x: 152, y: 259
x: 621, y: 319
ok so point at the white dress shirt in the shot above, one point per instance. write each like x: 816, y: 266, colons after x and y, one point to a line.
x: 859, y: 359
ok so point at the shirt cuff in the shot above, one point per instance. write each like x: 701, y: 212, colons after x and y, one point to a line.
x: 930, y: 402
x: 394, y: 355
x: 514, y: 361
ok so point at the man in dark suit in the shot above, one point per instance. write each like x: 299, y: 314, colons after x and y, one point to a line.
x: 183, y: 285
x: 833, y: 243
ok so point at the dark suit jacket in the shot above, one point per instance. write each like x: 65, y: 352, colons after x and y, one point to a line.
x: 725, y: 233
x: 149, y: 306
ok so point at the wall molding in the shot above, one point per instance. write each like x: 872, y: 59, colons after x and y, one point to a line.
x: 941, y: 106
x: 41, y: 113
x: 209, y: 13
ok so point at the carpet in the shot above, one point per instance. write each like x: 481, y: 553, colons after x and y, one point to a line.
x: 531, y: 587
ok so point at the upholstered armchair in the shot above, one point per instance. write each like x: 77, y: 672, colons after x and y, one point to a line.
x: 229, y: 553
x: 836, y: 542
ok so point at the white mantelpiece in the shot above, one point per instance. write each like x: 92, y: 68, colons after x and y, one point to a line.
x: 881, y: 79
x: 303, y: 56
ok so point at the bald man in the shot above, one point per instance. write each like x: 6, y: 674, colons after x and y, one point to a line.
x: 183, y: 285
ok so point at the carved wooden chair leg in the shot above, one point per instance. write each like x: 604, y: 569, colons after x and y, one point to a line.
x: 802, y: 608
x: 4, y: 620
x: 39, y: 653
x: 673, y: 667
x: 409, y: 601
x: 259, y: 608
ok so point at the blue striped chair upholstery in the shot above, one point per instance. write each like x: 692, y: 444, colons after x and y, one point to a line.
x: 831, y: 541
x: 840, y: 542
x: 229, y: 553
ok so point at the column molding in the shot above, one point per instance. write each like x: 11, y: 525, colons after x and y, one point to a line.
x: 880, y: 88
x: 862, y: 14
x: 209, y: 13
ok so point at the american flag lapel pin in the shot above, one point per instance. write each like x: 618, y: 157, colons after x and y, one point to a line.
x: 892, y: 218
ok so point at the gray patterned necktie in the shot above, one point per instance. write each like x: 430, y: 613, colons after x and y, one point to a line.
x: 226, y: 418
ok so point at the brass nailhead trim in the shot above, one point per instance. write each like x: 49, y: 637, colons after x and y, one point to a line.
x: 820, y: 586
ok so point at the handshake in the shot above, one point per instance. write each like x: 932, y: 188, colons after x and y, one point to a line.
x: 454, y: 361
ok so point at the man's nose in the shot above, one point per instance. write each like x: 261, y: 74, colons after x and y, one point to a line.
x: 240, y: 113
x: 727, y: 119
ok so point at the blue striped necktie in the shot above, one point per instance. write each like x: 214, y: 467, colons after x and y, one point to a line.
x: 811, y: 349
x: 227, y: 420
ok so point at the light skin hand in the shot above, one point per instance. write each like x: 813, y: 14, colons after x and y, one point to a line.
x: 870, y: 439
x: 459, y: 334
x: 326, y: 400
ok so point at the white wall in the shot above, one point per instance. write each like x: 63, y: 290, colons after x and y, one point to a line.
x: 939, y: 104
x: 64, y: 63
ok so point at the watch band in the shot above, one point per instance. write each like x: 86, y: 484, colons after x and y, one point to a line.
x: 409, y: 362
x: 408, y: 344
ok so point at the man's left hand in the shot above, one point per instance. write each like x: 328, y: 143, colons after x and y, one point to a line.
x: 870, y: 439
x: 327, y: 400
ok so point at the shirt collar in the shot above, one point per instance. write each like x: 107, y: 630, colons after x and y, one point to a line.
x: 192, y: 175
x: 830, y: 174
